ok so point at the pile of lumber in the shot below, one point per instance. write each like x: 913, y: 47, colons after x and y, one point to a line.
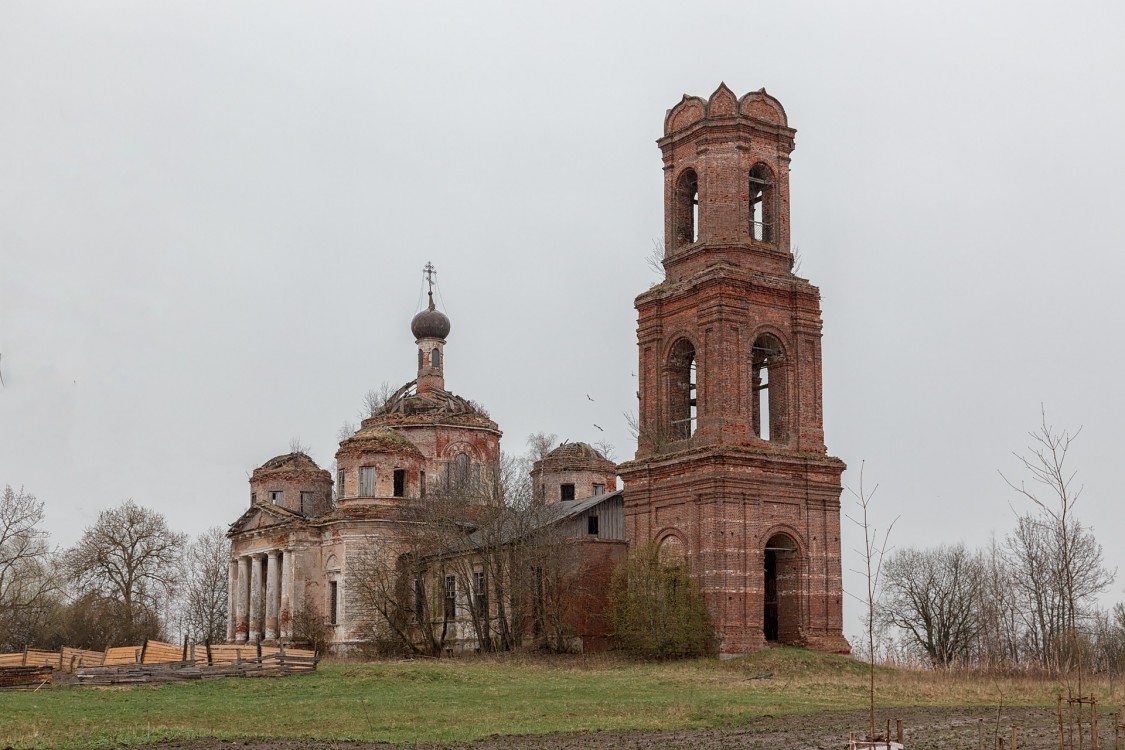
x: 24, y: 678
x: 278, y: 664
x: 156, y: 661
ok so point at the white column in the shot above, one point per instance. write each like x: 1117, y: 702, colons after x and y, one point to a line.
x: 242, y: 606
x: 271, y: 595
x: 256, y: 597
x: 232, y: 600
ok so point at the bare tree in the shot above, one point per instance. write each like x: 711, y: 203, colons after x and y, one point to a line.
x: 999, y: 608
x: 131, y: 557
x: 206, y: 578
x: 296, y: 445
x: 872, y: 555
x: 27, y: 582
x: 347, y: 429
x: 1056, y: 539
x: 933, y: 595
x: 607, y: 450
x: 478, y: 559
x: 655, y: 259
x: 375, y: 399
x: 310, y: 627
x: 539, y: 444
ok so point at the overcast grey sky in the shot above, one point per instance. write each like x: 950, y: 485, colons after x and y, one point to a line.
x: 213, y: 218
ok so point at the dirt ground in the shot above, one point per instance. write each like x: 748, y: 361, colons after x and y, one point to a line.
x: 925, y: 728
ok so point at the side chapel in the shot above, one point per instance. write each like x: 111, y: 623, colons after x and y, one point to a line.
x: 731, y: 476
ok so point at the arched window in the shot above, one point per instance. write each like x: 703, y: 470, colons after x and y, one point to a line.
x: 762, y: 204
x: 682, y: 401
x: 686, y: 211
x: 435, y: 358
x: 770, y: 403
x: 421, y: 359
x: 461, y: 469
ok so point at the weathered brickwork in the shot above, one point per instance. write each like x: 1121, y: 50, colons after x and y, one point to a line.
x: 731, y: 469
x: 731, y: 472
x: 578, y: 465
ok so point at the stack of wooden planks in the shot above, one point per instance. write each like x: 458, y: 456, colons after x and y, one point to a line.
x: 24, y: 677
x: 156, y: 661
x: 277, y: 664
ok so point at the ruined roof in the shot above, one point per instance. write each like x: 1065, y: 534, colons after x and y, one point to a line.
x: 576, y: 450
x: 407, y: 406
x: 297, y: 461
x: 574, y: 456
x: 378, y: 439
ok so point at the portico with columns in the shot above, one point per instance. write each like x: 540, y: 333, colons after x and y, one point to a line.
x: 262, y: 589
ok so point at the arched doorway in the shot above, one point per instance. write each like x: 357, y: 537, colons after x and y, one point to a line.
x: 781, y: 581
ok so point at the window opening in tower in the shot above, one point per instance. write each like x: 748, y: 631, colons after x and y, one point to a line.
x: 761, y: 210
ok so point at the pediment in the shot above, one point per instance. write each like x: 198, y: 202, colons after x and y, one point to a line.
x: 262, y: 517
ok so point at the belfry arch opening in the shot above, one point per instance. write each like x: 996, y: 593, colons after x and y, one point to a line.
x: 762, y: 203
x: 781, y: 585
x: 683, y: 404
x: 686, y: 208
x: 769, y: 388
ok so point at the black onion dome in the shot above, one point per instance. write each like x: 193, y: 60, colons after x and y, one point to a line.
x: 431, y: 323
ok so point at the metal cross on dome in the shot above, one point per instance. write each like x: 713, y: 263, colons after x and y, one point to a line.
x: 430, y: 273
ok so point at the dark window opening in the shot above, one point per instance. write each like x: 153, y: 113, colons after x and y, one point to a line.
x: 422, y: 484
x: 686, y: 211
x: 480, y: 593
x: 340, y: 483
x: 253, y: 497
x: 367, y: 481
x: 599, y: 489
x: 275, y: 496
x: 769, y: 625
x: 761, y: 203
x: 419, y: 599
x: 780, y: 607
x: 435, y: 358
x: 421, y: 359
x: 400, y: 482
x: 307, y: 503
x: 682, y: 394
x: 566, y: 491
x: 769, y: 405
x: 450, y: 597
x: 592, y: 525
x: 333, y: 602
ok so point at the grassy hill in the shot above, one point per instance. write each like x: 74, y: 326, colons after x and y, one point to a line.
x: 466, y: 699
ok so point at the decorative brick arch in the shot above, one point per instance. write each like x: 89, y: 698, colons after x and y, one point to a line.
x: 685, y: 212
x: 670, y: 544
x: 681, y: 388
x: 784, y: 569
x: 771, y: 376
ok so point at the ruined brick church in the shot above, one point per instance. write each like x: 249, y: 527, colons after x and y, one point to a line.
x: 731, y: 475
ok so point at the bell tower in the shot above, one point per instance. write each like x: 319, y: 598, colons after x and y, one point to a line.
x: 731, y: 477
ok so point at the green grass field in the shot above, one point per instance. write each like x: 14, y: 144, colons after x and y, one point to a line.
x: 467, y: 699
